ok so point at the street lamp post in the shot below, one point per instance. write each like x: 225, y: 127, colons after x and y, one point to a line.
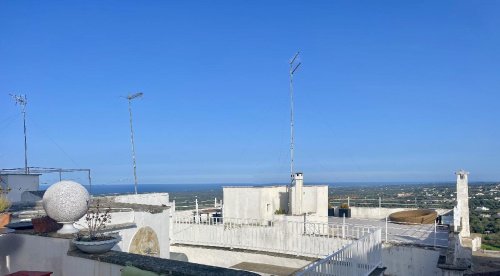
x: 130, y: 98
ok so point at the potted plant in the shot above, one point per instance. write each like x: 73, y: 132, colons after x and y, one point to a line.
x: 344, y: 210
x: 5, y: 216
x: 331, y: 210
x: 96, y: 241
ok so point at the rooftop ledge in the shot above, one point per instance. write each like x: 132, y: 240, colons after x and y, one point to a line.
x: 158, y: 265
x: 275, y: 186
x: 36, y: 242
x: 104, y: 202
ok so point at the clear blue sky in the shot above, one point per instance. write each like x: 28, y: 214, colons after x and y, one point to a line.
x: 388, y: 90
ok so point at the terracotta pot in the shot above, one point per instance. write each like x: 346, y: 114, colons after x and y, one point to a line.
x: 45, y: 225
x: 5, y: 219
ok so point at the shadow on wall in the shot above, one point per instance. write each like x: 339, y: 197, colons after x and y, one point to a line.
x: 283, y: 197
x: 8, y: 245
x: 179, y: 257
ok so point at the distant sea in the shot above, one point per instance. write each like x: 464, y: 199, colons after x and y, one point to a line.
x: 193, y: 189
x: 149, y: 188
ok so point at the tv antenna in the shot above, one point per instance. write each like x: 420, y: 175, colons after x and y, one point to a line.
x: 294, y: 65
x: 130, y: 98
x: 22, y: 101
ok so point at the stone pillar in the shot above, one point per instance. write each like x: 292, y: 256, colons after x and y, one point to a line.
x: 463, y: 202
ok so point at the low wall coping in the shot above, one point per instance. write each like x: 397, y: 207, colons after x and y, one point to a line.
x: 158, y: 265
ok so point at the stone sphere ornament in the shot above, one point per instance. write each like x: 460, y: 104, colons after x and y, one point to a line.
x: 66, y: 202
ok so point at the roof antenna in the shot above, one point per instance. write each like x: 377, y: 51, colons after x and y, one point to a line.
x: 293, y: 67
x: 22, y: 101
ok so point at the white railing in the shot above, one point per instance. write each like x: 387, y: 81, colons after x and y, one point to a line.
x: 290, y: 237
x: 402, y: 202
x: 403, y: 233
x: 361, y: 257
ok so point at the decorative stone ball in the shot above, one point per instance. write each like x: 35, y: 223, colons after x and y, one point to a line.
x: 66, y: 201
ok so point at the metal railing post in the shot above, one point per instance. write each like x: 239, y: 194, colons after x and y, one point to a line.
x: 386, y: 228
x: 435, y: 228
x: 343, y: 226
x: 197, y: 211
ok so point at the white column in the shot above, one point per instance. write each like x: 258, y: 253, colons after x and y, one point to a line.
x: 463, y: 202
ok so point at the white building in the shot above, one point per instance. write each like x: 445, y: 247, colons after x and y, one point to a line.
x: 17, y: 184
x: 265, y: 202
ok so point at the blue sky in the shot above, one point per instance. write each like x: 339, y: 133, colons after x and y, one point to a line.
x: 387, y: 90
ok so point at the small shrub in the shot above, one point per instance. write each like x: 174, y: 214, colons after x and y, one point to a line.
x: 344, y: 206
x: 280, y: 212
x: 4, y: 204
x: 96, y: 221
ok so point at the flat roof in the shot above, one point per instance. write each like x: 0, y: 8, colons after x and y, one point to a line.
x: 271, y: 186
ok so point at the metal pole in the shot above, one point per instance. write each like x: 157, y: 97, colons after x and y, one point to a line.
x: 385, y: 229
x: 22, y: 101
x: 343, y: 226
x: 292, y: 145
x: 25, y: 139
x: 133, y: 145
x: 435, y: 226
x: 197, y: 212
x: 90, y: 183
x: 291, y: 123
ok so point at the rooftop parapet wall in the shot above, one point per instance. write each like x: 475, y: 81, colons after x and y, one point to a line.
x: 30, y: 252
x: 157, y: 199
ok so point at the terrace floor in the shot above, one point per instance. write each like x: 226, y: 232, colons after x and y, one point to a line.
x: 421, y: 234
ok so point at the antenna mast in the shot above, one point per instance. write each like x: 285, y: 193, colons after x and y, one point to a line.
x: 22, y: 101
x: 293, y: 67
x: 130, y: 98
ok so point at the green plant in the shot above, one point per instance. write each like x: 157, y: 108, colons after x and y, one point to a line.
x: 4, y: 204
x: 344, y: 206
x: 280, y: 212
x: 96, y: 220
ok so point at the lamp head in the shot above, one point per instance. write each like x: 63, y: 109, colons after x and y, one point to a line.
x: 136, y: 95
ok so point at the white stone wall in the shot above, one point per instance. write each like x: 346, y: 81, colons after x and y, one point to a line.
x: 228, y: 258
x: 157, y: 199
x: 36, y: 253
x: 254, y: 202
x: 262, y: 202
x: 410, y: 260
x: 315, y: 200
x: 160, y: 223
x: 19, y: 183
